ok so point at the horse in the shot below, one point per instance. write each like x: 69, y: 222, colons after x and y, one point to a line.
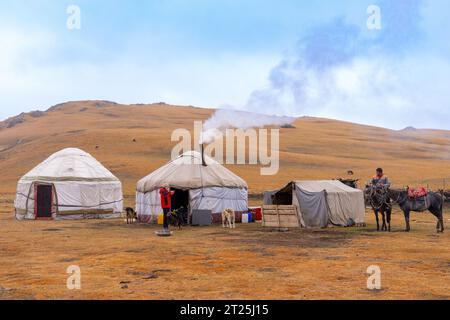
x: 379, y: 200
x: 432, y: 202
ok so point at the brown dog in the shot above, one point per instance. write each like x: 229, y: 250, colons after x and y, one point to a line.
x: 131, y: 215
x: 175, y: 218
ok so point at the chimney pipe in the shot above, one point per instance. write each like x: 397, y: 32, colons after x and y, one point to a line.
x: 203, y: 155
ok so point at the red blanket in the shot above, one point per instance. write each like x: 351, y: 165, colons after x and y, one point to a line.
x: 417, y: 193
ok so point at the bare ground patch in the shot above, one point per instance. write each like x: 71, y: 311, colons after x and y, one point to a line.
x: 128, y: 261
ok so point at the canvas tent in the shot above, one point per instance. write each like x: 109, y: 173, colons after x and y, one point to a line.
x: 322, y: 203
x: 212, y: 187
x: 70, y: 184
x: 268, y: 196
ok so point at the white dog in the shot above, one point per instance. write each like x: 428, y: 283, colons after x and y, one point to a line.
x: 228, y: 218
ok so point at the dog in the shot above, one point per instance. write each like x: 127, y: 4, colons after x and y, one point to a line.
x: 131, y: 215
x: 176, y: 218
x: 228, y: 218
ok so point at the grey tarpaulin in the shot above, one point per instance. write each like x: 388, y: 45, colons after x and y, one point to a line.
x: 268, y: 197
x: 313, y: 207
x: 345, y: 205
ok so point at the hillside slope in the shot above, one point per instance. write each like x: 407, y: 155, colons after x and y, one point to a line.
x: 133, y: 140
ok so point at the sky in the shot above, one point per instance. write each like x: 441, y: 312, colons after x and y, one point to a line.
x: 285, y: 57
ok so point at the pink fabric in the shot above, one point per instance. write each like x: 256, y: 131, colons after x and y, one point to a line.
x: 417, y: 193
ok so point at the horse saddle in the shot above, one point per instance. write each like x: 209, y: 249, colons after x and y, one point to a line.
x: 417, y: 193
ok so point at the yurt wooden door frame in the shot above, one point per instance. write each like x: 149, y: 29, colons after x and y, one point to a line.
x: 44, y: 201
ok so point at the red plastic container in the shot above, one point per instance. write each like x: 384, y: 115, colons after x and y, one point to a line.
x: 257, y: 213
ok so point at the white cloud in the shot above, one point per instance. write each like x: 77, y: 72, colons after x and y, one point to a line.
x: 20, y: 47
x: 29, y: 79
x: 338, y: 75
x: 375, y: 89
x: 387, y: 92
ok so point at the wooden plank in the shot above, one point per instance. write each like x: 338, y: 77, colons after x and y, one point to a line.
x: 263, y: 220
x: 282, y: 216
x: 271, y: 218
x: 275, y: 207
x: 280, y: 212
x: 297, y: 216
x: 278, y: 215
x: 270, y: 211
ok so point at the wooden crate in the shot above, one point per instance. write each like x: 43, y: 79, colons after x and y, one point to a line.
x: 280, y: 216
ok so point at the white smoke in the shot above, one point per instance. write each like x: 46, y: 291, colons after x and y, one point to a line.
x: 224, y: 119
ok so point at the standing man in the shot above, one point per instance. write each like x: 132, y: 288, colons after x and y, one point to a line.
x: 380, y: 180
x: 166, y: 195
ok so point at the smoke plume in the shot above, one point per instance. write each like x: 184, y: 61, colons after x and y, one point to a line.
x: 227, y: 118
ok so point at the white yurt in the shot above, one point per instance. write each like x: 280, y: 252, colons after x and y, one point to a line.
x: 197, y: 186
x: 70, y: 184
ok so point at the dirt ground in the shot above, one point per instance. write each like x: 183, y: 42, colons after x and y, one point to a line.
x: 120, y: 261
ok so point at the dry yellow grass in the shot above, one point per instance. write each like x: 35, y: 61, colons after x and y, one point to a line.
x: 120, y: 261
x: 208, y: 263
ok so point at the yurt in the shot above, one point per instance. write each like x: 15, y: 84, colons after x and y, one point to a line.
x: 201, y: 184
x: 321, y: 203
x: 70, y: 184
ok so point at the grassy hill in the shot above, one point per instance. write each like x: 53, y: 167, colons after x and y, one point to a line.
x: 133, y: 140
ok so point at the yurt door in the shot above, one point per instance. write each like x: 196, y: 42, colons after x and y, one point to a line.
x: 43, y: 205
